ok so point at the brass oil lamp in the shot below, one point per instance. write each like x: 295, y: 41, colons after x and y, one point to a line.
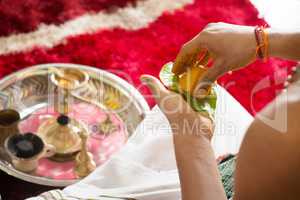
x: 64, y: 132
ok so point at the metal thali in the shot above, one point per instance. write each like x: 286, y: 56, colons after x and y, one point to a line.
x: 30, y: 92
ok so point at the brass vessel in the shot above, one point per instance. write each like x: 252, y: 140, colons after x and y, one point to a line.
x: 63, y: 131
x: 67, y: 80
x: 84, y: 159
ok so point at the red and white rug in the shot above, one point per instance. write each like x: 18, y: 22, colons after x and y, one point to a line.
x: 127, y: 37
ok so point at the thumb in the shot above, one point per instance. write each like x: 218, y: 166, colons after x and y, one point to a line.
x: 211, y: 76
x: 156, y: 87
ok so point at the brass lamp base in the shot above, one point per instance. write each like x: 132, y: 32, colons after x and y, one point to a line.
x: 64, y: 157
x: 63, y: 133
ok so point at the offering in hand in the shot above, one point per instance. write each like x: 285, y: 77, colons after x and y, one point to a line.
x: 186, y: 83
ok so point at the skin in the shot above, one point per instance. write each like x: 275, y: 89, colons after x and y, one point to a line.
x: 268, y: 163
x: 195, y: 161
x: 232, y: 47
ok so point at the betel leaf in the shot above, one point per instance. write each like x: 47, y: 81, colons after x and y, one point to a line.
x: 205, y: 105
x: 168, y: 78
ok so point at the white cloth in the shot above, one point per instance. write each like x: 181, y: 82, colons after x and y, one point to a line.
x: 146, y: 169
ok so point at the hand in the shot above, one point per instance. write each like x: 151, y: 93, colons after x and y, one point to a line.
x: 186, y: 124
x: 197, y: 167
x: 230, y: 46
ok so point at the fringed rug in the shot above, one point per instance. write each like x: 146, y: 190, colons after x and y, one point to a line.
x: 128, y: 38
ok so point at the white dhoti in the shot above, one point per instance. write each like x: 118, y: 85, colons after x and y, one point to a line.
x: 145, y: 168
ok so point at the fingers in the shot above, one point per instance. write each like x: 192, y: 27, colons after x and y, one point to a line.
x: 188, y: 55
x: 211, y: 76
x: 156, y: 87
x: 215, y: 71
x: 205, y: 57
x: 185, y: 58
x: 169, y: 102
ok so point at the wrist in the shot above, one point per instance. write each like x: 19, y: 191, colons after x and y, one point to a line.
x: 198, y: 126
x: 284, y: 43
x: 190, y: 145
x: 275, y: 42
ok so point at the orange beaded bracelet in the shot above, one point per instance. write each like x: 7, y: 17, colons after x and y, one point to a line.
x: 262, y: 43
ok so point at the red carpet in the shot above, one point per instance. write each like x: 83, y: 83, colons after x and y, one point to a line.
x: 23, y: 16
x: 133, y: 50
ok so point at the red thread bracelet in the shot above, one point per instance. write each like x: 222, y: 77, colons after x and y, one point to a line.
x: 259, y: 45
x: 262, y: 43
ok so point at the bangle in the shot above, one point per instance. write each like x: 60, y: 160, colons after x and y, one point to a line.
x: 266, y: 44
x: 262, y: 43
x: 257, y: 32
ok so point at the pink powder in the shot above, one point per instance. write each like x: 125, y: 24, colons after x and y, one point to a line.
x: 101, y: 146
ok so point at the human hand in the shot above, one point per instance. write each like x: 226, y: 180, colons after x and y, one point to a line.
x: 229, y: 46
x: 197, y: 167
x: 186, y: 124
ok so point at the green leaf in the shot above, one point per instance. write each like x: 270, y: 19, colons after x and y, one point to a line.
x: 205, y: 105
x: 168, y: 78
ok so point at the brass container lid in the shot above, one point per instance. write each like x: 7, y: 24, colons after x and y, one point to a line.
x: 63, y: 133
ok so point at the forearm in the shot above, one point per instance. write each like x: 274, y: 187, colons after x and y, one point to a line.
x: 284, y: 44
x: 198, y: 170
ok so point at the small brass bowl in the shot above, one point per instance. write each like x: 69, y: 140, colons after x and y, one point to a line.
x: 69, y: 78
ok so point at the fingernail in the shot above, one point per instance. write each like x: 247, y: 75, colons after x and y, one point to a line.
x: 146, y: 80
